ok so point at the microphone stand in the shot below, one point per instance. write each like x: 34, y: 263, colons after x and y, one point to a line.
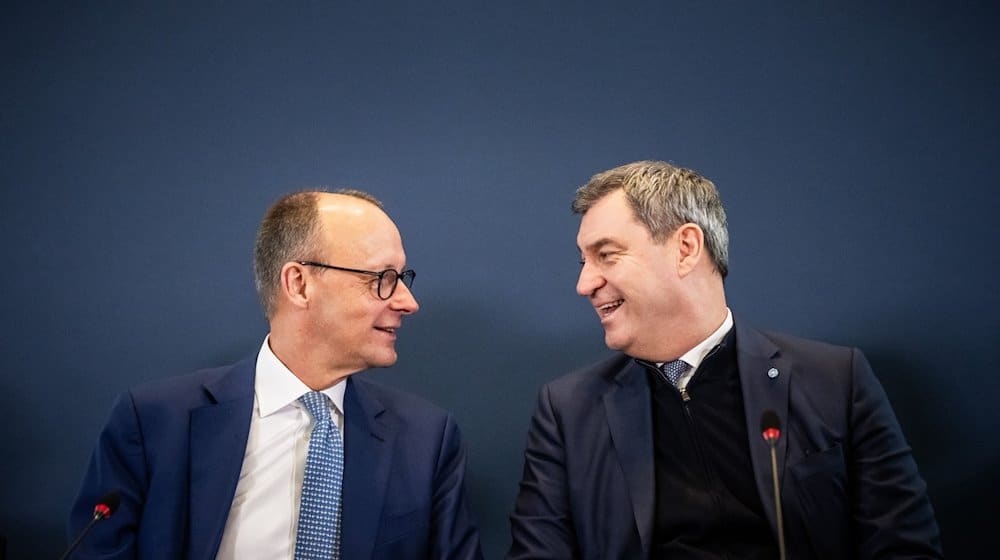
x: 777, y: 498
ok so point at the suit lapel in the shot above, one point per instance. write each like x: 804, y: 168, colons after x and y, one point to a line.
x: 218, y: 442
x: 368, y: 444
x: 756, y: 357
x: 630, y: 421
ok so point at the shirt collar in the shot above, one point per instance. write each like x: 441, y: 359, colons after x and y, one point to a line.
x: 696, y: 355
x: 276, y: 386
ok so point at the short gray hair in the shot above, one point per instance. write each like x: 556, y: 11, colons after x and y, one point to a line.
x: 664, y: 198
x: 289, y: 231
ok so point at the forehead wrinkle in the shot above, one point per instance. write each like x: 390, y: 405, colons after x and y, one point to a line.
x: 384, y: 256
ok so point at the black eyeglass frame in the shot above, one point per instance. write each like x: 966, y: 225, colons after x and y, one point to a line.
x: 406, y: 276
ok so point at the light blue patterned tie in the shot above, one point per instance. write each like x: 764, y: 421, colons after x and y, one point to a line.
x: 318, y: 536
x: 672, y: 371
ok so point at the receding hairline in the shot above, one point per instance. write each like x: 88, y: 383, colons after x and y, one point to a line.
x: 341, y: 208
x: 347, y: 196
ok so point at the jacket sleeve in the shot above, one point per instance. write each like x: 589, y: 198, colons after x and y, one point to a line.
x: 891, y: 511
x: 541, y: 525
x: 454, y: 533
x: 117, y: 464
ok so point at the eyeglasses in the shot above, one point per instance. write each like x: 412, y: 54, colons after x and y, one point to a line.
x: 387, y: 279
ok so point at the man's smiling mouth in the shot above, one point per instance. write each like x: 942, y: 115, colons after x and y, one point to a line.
x: 609, y: 308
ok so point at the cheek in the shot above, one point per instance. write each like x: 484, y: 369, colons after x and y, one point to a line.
x: 350, y: 319
x: 615, y: 278
x: 371, y: 313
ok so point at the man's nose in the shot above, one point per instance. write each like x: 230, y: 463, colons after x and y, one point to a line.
x: 589, y: 281
x: 403, y: 300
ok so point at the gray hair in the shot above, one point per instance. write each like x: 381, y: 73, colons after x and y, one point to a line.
x: 289, y: 231
x: 664, y: 198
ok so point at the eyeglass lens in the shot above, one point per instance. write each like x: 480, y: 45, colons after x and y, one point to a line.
x: 388, y: 279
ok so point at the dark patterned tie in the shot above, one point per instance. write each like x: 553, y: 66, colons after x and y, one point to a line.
x: 318, y: 536
x: 672, y: 371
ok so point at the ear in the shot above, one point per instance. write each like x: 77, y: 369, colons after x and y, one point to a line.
x: 690, y: 247
x: 293, y: 285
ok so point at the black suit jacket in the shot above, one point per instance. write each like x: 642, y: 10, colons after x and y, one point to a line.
x: 850, y: 487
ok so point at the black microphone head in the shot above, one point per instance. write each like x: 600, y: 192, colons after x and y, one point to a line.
x: 769, y: 420
x: 111, y: 500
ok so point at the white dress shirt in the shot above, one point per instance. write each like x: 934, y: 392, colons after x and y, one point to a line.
x: 696, y: 355
x: 265, y: 511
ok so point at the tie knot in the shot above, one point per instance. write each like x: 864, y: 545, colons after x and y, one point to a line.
x: 672, y: 371
x: 317, y: 404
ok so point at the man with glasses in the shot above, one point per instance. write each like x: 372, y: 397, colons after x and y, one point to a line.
x: 286, y: 453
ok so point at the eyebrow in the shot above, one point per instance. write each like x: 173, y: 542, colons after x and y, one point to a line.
x: 404, y: 266
x: 598, y: 244
x: 389, y: 266
x: 385, y: 265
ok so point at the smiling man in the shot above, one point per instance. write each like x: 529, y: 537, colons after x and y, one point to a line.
x: 287, y: 454
x: 658, y: 451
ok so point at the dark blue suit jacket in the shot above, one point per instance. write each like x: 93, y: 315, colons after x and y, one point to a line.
x: 850, y: 488
x: 174, y: 450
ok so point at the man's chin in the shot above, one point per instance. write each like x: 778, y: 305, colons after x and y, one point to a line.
x: 384, y: 360
x: 613, y: 342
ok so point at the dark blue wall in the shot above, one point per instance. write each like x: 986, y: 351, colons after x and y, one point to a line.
x: 855, y: 146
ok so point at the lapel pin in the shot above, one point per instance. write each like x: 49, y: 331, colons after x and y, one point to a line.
x: 772, y: 373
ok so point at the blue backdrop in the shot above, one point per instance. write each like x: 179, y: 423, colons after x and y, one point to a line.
x: 855, y: 147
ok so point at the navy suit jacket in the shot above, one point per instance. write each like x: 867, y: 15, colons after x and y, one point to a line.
x: 850, y: 487
x: 174, y: 449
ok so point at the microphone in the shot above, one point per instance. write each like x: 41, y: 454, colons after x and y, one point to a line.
x: 103, y: 510
x: 770, y: 430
